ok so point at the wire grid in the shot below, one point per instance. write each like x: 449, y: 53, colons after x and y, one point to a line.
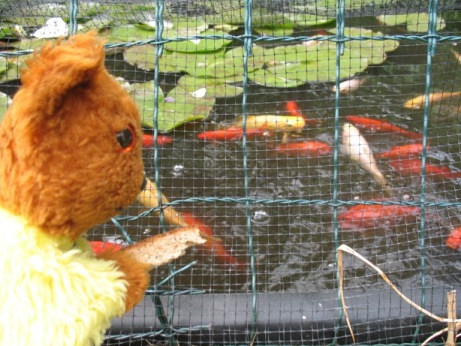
x: 281, y: 215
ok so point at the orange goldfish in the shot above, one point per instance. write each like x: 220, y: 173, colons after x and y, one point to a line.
x: 307, y: 148
x: 375, y: 125
x: 229, y: 134
x: 402, y: 151
x: 212, y: 244
x: 413, y: 167
x: 454, y: 239
x: 294, y: 110
x: 418, y: 101
x: 148, y: 140
x: 99, y: 246
x: 370, y: 215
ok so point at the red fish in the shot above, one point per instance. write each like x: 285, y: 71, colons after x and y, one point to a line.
x: 413, y: 167
x: 99, y: 246
x: 307, y: 148
x: 402, y: 151
x: 454, y: 239
x: 375, y: 125
x: 229, y: 134
x: 293, y: 109
x: 148, y: 140
x: 213, y: 245
x: 370, y: 215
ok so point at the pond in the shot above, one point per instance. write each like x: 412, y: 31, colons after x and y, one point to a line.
x: 294, y: 242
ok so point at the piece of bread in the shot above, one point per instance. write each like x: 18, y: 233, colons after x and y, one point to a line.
x: 166, y: 247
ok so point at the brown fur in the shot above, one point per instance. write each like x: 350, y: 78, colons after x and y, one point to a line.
x: 61, y: 166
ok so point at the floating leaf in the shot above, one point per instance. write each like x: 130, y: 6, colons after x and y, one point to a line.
x: 277, y: 78
x: 416, y: 22
x: 14, y: 66
x: 126, y: 33
x: 200, y: 45
x: 179, y: 107
x: 3, y: 64
x: 273, y: 31
x: 143, y: 95
x: 308, y: 20
x: 213, y: 87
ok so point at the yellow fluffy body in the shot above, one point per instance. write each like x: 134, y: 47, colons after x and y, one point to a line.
x: 48, y: 278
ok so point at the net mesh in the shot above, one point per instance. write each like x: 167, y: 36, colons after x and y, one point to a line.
x: 247, y: 104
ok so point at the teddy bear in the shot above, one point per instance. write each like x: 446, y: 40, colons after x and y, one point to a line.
x: 70, y: 158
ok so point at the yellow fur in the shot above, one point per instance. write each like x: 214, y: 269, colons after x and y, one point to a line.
x: 58, y: 293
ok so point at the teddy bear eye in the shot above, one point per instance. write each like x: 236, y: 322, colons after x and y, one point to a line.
x: 127, y: 139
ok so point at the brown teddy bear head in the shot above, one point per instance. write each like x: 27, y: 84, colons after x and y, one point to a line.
x: 70, y: 144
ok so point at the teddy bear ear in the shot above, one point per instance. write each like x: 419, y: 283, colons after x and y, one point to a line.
x: 57, y: 69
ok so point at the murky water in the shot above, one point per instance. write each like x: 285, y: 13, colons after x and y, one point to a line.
x: 294, y: 242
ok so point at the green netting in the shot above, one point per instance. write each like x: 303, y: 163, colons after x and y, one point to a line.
x: 281, y: 195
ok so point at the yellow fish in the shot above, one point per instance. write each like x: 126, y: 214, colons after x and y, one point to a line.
x: 418, y: 102
x: 274, y: 122
x: 359, y: 151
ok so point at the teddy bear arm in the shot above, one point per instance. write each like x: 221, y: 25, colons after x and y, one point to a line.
x: 136, y: 274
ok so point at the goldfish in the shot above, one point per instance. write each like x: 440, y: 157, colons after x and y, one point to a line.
x: 371, y: 215
x: 212, y: 244
x: 149, y: 198
x: 402, y: 151
x: 413, y: 166
x: 229, y: 134
x: 359, y: 151
x: 349, y: 85
x: 148, y: 140
x: 294, y: 110
x: 274, y: 122
x: 375, y: 125
x: 418, y: 101
x: 307, y: 148
x: 454, y: 239
x: 99, y: 246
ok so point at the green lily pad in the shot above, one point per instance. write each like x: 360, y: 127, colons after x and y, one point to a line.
x: 127, y: 33
x: 199, y: 45
x: 416, y: 22
x: 276, y: 77
x: 5, y: 102
x: 98, y: 23
x: 3, y: 64
x: 194, y: 64
x: 14, y: 66
x: 273, y: 31
x: 179, y: 107
x: 213, y: 87
x: 183, y: 28
x: 309, y: 20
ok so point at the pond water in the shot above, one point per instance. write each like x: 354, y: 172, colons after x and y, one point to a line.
x: 294, y: 243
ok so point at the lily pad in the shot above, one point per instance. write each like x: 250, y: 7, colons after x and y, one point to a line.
x: 14, y: 66
x: 309, y: 20
x: 204, y: 45
x: 213, y: 87
x: 277, y: 78
x: 127, y: 33
x: 3, y: 64
x: 416, y: 22
x: 179, y: 107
